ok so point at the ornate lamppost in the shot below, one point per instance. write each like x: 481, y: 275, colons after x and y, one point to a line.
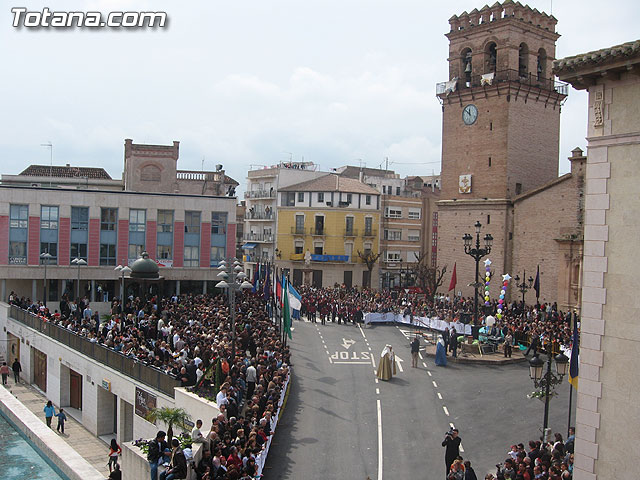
x: 79, y: 262
x: 524, y: 286
x: 546, y: 381
x: 477, y: 253
x: 233, y: 279
x: 124, y: 271
x: 44, y: 259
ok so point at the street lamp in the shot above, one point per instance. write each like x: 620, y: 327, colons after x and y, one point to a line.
x: 45, y: 257
x: 477, y: 253
x: 79, y: 262
x: 232, y: 279
x: 124, y: 271
x: 524, y: 286
x: 547, y: 381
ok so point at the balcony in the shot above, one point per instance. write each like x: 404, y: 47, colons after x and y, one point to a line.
x: 504, y: 76
x: 297, y: 231
x: 370, y: 233
x: 296, y: 257
x: 299, y: 257
x: 259, y: 237
x: 256, y: 194
x: 317, y: 232
x: 249, y: 215
x: 350, y: 232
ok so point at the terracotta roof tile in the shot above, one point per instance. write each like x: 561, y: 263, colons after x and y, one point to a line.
x: 598, y: 56
x: 65, y: 172
x: 332, y: 183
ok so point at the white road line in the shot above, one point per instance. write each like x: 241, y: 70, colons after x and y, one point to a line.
x: 446, y: 412
x: 377, y: 391
x: 428, y: 372
x: 425, y: 366
x: 379, y: 440
x: 451, y: 425
x: 350, y: 363
x: 440, y: 398
x: 377, y: 381
x: 330, y: 360
x: 461, y: 449
x: 434, y: 384
x: 420, y: 355
x: 369, y: 348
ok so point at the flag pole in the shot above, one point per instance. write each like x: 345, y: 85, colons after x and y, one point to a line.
x: 569, y: 416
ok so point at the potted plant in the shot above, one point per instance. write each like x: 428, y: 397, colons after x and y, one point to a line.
x: 170, y: 416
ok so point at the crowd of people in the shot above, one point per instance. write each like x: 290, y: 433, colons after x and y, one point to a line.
x: 188, y: 336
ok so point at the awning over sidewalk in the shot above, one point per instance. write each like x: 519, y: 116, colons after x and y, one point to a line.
x: 249, y: 246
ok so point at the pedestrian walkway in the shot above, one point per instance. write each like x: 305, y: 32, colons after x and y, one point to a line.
x: 91, y: 448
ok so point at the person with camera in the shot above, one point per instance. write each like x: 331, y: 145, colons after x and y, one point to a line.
x: 452, y: 444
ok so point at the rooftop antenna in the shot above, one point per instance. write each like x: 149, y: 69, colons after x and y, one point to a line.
x: 202, y: 167
x: 49, y: 145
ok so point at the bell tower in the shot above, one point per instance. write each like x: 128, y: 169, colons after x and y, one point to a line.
x: 501, y: 126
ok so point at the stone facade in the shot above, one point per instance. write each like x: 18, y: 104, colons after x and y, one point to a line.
x: 607, y: 409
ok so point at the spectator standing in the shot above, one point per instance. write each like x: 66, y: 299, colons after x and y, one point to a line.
x: 452, y: 444
x: 252, y: 378
x: 415, y: 348
x: 508, y: 344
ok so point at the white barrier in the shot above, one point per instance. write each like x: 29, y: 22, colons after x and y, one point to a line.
x: 426, y: 322
x: 261, y: 458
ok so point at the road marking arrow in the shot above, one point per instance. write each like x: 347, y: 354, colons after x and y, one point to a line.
x: 346, y: 343
x: 399, y: 363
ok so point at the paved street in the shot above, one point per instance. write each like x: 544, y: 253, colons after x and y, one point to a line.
x: 331, y: 425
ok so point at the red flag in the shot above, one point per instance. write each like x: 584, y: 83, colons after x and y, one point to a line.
x: 279, y: 291
x: 454, y: 279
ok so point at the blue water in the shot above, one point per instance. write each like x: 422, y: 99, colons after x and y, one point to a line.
x: 20, y: 461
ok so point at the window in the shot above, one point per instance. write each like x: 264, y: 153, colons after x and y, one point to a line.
x: 489, y: 161
x: 288, y: 199
x: 368, y: 224
x: 393, y: 212
x: 320, y: 196
x: 518, y: 188
x: 218, y: 223
x: 349, y: 198
x: 137, y: 221
x: 78, y: 250
x: 414, y: 235
x: 491, y: 57
x: 318, y: 250
x: 392, y: 256
x: 192, y: 222
x: 367, y: 248
x: 367, y: 200
x: 165, y: 252
x: 384, y: 189
x: 107, y: 254
x: 165, y: 221
x: 108, y: 219
x: 48, y: 218
x: 17, y: 253
x: 415, y: 213
x: 19, y: 216
x: 135, y: 250
x: 79, y: 218
x: 393, y: 234
x: 523, y: 54
x: 397, y: 190
x: 299, y: 224
x: 488, y: 219
x: 217, y: 254
x: 191, y: 256
x: 542, y: 64
x: 300, y: 196
x: 299, y: 248
x: 349, y: 226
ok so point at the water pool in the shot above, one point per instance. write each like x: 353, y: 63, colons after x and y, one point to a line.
x: 20, y: 460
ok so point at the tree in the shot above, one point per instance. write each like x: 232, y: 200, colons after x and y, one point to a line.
x: 427, y: 277
x: 369, y: 258
x: 170, y: 416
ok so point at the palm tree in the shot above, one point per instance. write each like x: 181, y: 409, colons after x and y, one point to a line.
x: 170, y: 416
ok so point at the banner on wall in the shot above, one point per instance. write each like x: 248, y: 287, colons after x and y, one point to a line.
x: 145, y: 401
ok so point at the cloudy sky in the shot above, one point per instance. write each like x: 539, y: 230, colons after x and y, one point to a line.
x: 255, y: 82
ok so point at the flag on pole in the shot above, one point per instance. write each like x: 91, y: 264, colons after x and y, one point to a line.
x: 286, y: 310
x: 279, y: 291
x: 536, y: 284
x: 267, y: 285
x: 295, y: 301
x: 575, y: 351
x: 454, y: 279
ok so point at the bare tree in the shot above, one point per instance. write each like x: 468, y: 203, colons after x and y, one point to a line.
x: 427, y: 277
x: 369, y: 259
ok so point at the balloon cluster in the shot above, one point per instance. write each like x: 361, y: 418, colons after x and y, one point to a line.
x: 503, y: 291
x: 487, y: 281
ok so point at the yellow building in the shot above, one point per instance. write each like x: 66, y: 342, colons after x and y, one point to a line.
x: 322, y: 224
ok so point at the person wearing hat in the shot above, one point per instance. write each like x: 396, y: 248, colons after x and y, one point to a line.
x: 156, y: 449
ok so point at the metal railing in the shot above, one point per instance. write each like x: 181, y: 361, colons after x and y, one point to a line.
x: 297, y: 231
x: 370, y: 233
x: 249, y: 215
x: 131, y: 367
x: 318, y: 232
x: 258, y: 237
x: 260, y: 194
x: 508, y: 76
x: 350, y: 232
